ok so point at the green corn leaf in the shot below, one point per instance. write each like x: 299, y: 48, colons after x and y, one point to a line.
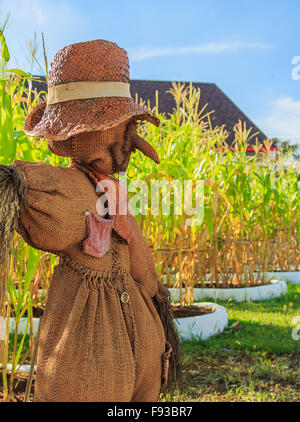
x: 208, y: 219
x: 19, y: 72
x: 11, y: 290
x: 21, y: 345
x: 32, y: 263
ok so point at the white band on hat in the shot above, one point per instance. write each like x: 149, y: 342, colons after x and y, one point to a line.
x: 85, y: 90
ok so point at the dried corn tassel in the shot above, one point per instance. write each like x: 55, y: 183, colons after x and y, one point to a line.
x: 12, y: 193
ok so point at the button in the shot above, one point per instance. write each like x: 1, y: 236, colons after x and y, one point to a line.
x: 124, y: 297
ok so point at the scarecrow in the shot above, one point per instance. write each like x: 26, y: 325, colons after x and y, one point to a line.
x: 107, y: 333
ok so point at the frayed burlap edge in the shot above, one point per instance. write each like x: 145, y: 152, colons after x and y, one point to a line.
x: 13, y: 194
x: 174, y: 381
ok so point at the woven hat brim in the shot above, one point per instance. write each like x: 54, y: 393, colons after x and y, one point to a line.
x: 60, y: 121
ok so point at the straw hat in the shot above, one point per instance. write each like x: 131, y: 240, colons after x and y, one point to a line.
x: 88, y: 90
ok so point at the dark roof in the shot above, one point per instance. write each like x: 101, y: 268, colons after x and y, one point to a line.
x: 225, y: 111
x: 40, y: 84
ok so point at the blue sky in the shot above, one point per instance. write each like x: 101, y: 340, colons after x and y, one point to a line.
x: 246, y: 47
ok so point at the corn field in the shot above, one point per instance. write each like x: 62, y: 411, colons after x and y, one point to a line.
x: 250, y: 222
x: 251, y: 202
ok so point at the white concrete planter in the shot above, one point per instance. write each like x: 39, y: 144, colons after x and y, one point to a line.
x: 203, y: 326
x: 23, y: 368
x: 275, y: 289
x: 291, y: 276
x: 22, y: 325
x: 2, y: 328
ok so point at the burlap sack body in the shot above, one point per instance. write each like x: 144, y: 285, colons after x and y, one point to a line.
x: 93, y: 347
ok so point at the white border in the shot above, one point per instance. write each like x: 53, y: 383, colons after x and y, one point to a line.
x: 290, y: 276
x: 276, y: 288
x: 22, y: 325
x: 23, y: 368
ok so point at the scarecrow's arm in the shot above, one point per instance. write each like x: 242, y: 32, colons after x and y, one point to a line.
x: 142, y: 266
x: 143, y: 271
x: 12, y: 194
x: 52, y: 218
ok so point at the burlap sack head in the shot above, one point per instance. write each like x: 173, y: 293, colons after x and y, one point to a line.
x: 106, y: 151
x: 89, y: 107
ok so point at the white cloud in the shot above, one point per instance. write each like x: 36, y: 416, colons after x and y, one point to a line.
x: 58, y: 20
x: 142, y: 53
x: 282, y: 119
x: 32, y: 12
x: 40, y: 16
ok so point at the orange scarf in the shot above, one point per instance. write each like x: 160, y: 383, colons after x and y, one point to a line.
x: 97, y: 243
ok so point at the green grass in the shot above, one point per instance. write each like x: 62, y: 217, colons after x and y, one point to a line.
x: 255, y: 359
x: 261, y: 326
